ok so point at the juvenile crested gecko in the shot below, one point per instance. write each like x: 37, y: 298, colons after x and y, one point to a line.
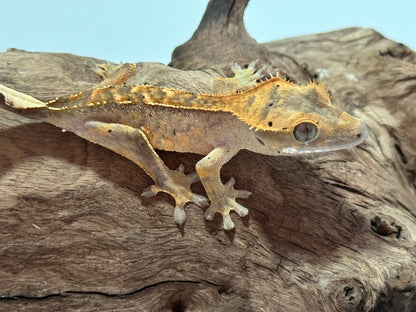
x: 271, y: 117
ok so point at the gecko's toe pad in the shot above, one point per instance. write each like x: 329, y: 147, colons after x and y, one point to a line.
x: 199, y: 200
x: 179, y: 215
x: 240, y: 210
x: 227, y: 223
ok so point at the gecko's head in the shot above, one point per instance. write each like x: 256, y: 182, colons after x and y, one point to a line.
x: 291, y: 119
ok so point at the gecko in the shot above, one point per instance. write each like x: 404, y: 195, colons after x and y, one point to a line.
x: 269, y: 116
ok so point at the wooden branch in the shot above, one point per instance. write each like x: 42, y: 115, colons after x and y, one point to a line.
x: 330, y: 232
x: 211, y: 46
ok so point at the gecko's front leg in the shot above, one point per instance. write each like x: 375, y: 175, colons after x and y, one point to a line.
x: 222, y: 196
x: 133, y: 144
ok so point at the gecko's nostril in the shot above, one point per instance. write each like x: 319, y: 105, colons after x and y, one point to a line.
x: 361, y: 133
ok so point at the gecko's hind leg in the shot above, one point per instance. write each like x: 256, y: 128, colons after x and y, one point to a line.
x: 115, y: 74
x: 133, y: 144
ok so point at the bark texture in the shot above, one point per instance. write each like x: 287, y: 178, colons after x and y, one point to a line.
x: 329, y: 232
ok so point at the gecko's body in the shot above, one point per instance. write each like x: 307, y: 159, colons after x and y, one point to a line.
x: 273, y: 117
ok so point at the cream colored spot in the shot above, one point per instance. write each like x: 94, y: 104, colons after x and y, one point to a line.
x: 75, y: 96
x: 136, y: 88
x: 351, y: 77
x: 322, y: 73
x: 170, y: 92
x: 52, y: 101
x: 124, y: 102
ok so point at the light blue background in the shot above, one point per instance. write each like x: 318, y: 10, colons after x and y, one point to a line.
x: 149, y: 30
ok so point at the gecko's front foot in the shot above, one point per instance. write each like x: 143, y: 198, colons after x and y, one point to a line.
x: 178, y: 186
x: 226, y: 203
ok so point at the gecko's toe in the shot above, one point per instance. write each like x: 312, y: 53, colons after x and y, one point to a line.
x: 227, y: 223
x: 190, y: 178
x: 199, y: 200
x: 229, y: 187
x: 256, y: 73
x: 239, y: 209
x: 193, y: 177
x: 179, y: 215
x: 243, y: 193
x: 230, y: 183
x: 150, y: 191
x: 253, y: 64
x: 235, y: 68
x: 181, y: 168
x: 209, y: 213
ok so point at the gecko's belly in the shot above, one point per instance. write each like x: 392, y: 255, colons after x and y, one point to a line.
x: 186, y: 131
x: 193, y: 141
x: 170, y: 129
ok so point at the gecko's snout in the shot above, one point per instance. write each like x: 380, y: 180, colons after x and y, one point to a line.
x: 361, y: 133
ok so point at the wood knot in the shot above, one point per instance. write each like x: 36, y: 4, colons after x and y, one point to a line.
x: 348, y: 295
x: 178, y: 306
x: 384, y: 228
x: 226, y: 292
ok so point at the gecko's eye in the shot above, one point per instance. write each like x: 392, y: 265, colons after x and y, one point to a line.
x: 305, y: 132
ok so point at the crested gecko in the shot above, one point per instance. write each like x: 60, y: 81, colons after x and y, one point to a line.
x: 271, y: 117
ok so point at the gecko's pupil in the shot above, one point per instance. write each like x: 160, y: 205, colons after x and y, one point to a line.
x: 305, y: 132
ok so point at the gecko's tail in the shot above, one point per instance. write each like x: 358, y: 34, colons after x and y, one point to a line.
x: 22, y: 104
x: 18, y: 100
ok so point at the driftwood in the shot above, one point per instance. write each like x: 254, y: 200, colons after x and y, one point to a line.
x: 328, y: 232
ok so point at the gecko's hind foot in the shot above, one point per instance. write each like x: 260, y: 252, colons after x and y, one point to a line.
x: 105, y: 69
x: 247, y: 75
x: 244, y: 78
x: 226, y: 203
x: 178, y: 186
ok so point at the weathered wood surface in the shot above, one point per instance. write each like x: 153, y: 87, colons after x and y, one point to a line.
x: 330, y: 232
